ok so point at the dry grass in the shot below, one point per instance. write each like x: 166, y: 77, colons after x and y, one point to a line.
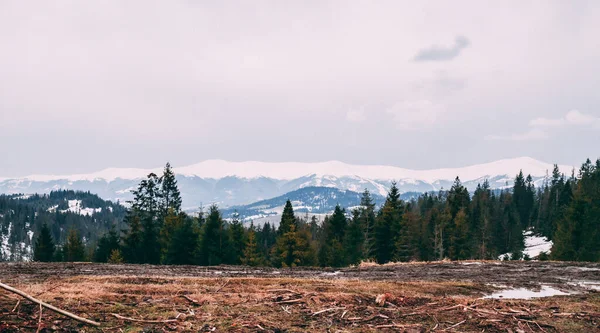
x: 290, y: 305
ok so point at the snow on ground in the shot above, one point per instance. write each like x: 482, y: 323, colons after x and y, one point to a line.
x: 4, y: 244
x: 523, y: 293
x: 75, y: 207
x: 30, y: 235
x: 534, y: 245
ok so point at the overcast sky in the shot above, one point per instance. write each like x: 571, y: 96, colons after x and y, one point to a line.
x: 86, y: 85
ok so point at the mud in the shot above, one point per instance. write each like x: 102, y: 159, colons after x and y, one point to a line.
x: 513, y: 274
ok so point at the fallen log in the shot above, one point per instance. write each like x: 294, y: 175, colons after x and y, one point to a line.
x: 48, y: 306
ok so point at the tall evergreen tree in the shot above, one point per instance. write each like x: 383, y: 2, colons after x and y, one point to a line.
x: 74, y: 249
x: 44, y: 246
x: 251, y: 255
x: 108, y: 243
x: 169, y: 195
x: 182, y: 244
x: 387, y: 226
x: 215, y: 244
x: 287, y: 219
x: 237, y: 237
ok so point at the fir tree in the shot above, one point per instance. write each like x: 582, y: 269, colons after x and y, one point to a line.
x: 215, y: 245
x: 387, y: 226
x: 251, y: 255
x: 292, y: 249
x: 74, y: 249
x: 182, y: 244
x: 115, y: 257
x: 237, y: 237
x: 133, y: 251
x: 106, y: 245
x: 287, y: 219
x: 169, y: 196
x: 44, y: 246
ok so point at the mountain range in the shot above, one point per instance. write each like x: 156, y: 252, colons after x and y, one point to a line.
x: 241, y: 183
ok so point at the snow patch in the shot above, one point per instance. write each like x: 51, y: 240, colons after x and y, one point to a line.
x: 523, y: 293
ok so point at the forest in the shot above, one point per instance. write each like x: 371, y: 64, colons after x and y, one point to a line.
x: 452, y: 224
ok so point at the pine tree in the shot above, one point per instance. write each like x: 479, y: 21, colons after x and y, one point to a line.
x: 133, y: 251
x: 367, y: 221
x: 169, y: 195
x: 354, y: 239
x: 182, y: 245
x: 237, y: 237
x: 74, y: 249
x: 287, y: 219
x: 292, y: 249
x: 115, y: 257
x: 215, y: 245
x: 251, y: 255
x: 387, y: 226
x: 106, y: 245
x: 44, y: 246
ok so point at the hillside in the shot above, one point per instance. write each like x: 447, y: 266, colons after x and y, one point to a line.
x: 22, y: 216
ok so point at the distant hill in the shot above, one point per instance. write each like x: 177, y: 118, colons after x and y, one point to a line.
x: 22, y: 216
x: 311, y: 200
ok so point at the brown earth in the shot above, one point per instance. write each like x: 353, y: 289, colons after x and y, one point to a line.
x: 414, y: 297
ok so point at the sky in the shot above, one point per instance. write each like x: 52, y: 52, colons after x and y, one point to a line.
x: 86, y: 85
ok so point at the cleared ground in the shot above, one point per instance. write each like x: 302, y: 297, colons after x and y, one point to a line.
x: 415, y: 297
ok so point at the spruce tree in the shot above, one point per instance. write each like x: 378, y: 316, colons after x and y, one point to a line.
x: 215, y: 245
x: 387, y: 226
x: 44, y: 246
x: 251, y: 255
x: 291, y: 249
x: 287, y: 219
x: 106, y: 245
x: 182, y: 244
x: 74, y: 249
x: 133, y: 250
x: 237, y: 237
x: 169, y: 195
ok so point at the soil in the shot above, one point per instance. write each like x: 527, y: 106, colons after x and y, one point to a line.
x: 412, y: 297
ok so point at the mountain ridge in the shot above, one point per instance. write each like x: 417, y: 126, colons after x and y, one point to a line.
x: 238, y: 183
x: 217, y: 169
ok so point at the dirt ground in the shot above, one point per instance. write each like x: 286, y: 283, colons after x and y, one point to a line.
x: 414, y: 297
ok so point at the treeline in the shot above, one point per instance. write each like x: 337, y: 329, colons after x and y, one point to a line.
x: 453, y: 224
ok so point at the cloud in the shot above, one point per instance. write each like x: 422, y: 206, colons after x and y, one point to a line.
x: 356, y: 116
x: 413, y: 115
x: 573, y: 117
x: 537, y: 126
x: 443, y: 53
x: 531, y: 135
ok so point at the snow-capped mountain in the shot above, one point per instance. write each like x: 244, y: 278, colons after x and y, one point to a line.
x: 237, y: 183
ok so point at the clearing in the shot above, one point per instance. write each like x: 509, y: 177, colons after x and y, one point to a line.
x: 469, y: 296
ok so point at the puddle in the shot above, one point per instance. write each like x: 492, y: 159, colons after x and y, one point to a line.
x: 523, y: 293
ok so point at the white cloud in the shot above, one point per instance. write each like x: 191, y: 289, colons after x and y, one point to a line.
x: 413, y: 115
x: 531, y: 135
x: 573, y: 117
x: 576, y: 117
x: 356, y: 116
x: 537, y: 126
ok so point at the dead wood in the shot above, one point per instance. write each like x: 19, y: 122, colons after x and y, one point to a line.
x: 53, y: 308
